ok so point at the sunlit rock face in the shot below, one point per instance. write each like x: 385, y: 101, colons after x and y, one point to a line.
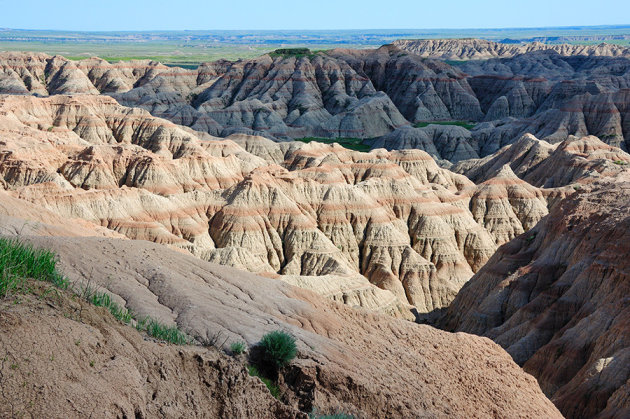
x: 556, y: 299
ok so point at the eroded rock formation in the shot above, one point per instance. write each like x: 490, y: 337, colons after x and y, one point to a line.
x: 384, y: 230
x: 481, y: 49
x: 556, y: 299
x: 362, y: 94
x: 574, y: 161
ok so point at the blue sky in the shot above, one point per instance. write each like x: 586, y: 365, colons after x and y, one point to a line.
x: 317, y: 14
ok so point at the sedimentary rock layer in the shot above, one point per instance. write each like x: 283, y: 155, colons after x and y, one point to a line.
x: 481, y: 49
x: 360, y: 94
x: 556, y: 299
x: 384, y: 230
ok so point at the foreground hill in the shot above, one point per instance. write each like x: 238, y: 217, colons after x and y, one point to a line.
x: 556, y: 298
x: 95, y: 366
x: 349, y: 360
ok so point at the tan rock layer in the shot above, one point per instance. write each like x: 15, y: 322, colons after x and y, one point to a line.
x: 395, y: 219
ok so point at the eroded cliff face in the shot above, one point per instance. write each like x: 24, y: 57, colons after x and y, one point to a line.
x: 575, y: 161
x: 481, y: 49
x: 556, y: 299
x: 280, y: 96
x: 384, y: 230
x: 370, y: 94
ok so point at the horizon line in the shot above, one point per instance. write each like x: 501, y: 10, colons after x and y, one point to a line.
x: 620, y: 26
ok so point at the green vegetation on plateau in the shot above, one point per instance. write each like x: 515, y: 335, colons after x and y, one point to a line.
x: 294, y: 52
x: 349, y: 143
x: 463, y: 124
x: 190, y: 48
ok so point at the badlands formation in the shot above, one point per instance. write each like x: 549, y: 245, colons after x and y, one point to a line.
x: 556, y: 299
x: 181, y: 194
x: 377, y: 94
x: 480, y: 49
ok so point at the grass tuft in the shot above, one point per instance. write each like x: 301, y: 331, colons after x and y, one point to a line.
x: 170, y: 334
x: 19, y: 261
x: 237, y: 348
x: 273, y: 389
x: 102, y: 299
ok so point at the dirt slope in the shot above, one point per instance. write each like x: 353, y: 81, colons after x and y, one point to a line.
x: 61, y: 357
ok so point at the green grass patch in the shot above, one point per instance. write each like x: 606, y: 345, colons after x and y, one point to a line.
x: 273, y: 389
x: 463, y: 124
x: 170, y: 334
x: 355, y: 144
x: 238, y: 348
x: 102, y: 299
x: 295, y: 52
x: 20, y: 261
x: 455, y: 63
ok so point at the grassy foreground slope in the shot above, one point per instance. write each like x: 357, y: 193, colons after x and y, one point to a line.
x: 61, y: 356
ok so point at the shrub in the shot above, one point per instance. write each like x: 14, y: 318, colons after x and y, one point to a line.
x: 278, y: 348
x: 237, y: 348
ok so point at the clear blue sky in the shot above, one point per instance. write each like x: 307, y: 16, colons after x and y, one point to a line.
x: 307, y: 14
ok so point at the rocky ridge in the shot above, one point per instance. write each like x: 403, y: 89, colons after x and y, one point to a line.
x: 481, y: 49
x: 338, y: 220
x: 574, y: 161
x: 555, y: 299
x: 360, y: 93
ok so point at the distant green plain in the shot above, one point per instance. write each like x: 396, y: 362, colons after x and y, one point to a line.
x: 187, y: 55
x: 190, y: 48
